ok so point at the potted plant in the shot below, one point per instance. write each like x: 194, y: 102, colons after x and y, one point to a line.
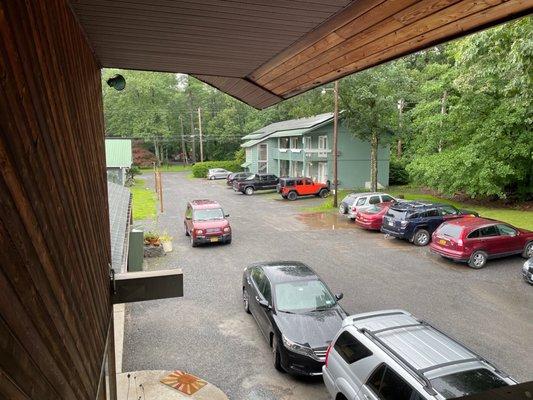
x: 152, y: 239
x: 166, y: 241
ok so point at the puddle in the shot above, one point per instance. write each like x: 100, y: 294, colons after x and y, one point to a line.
x: 323, y: 220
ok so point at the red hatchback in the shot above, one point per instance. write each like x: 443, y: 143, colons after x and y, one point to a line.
x: 205, y: 222
x: 475, y: 240
x: 372, y: 218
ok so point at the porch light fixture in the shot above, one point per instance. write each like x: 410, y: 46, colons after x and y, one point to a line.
x: 117, y: 82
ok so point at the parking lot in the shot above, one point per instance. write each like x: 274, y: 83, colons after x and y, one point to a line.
x: 208, y: 334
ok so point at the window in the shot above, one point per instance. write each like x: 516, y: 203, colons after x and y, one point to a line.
x: 208, y: 214
x: 350, y: 349
x: 386, y: 198
x: 294, y: 143
x: 450, y: 230
x: 489, y: 231
x: 467, y: 382
x: 506, y: 230
x: 262, y: 158
x: 308, y: 143
x: 322, y: 146
x: 360, y: 201
x: 388, y: 385
x: 265, y: 289
x: 248, y: 154
x: 374, y: 200
x: 474, y: 234
x: 303, y: 296
x: 308, y: 182
x: 284, y: 143
x: 448, y: 210
x: 258, y: 276
x: 432, y: 213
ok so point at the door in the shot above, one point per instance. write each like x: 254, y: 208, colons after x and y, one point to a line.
x: 433, y: 219
x: 490, y: 238
x: 322, y: 146
x: 322, y: 172
x: 510, y: 242
x: 257, y: 278
x: 307, y: 187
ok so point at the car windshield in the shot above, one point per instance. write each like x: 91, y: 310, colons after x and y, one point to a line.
x: 397, y: 214
x: 302, y: 296
x: 208, y: 214
x: 450, y: 230
x: 467, y: 382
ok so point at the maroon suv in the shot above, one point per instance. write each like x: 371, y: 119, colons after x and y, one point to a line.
x: 475, y: 240
x: 205, y: 222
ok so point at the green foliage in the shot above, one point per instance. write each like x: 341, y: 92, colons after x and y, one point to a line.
x: 397, y: 173
x: 199, y: 170
x: 240, y: 156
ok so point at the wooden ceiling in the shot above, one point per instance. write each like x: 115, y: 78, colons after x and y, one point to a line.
x: 264, y: 51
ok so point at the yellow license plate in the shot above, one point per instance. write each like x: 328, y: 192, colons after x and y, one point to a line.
x: 214, y: 239
x: 443, y: 242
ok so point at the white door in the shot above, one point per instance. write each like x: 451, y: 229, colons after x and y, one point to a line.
x: 322, y: 146
x: 322, y: 172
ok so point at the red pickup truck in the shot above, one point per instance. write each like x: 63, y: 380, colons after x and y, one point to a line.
x: 292, y: 188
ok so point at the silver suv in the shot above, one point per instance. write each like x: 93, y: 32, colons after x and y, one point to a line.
x: 360, y: 201
x: 390, y: 355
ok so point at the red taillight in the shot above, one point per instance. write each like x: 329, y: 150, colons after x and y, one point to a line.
x: 327, y: 355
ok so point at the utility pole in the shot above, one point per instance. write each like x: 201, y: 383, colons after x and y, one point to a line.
x: 200, y: 133
x: 443, y: 112
x: 335, y: 144
x: 193, y: 144
x: 183, y: 146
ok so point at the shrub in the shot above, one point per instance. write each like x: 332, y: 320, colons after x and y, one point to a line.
x: 199, y: 170
x: 398, y: 175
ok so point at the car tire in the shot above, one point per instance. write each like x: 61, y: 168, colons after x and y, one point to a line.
x: 249, y: 191
x: 186, y: 232
x: 212, y: 178
x: 277, y: 355
x: 194, y: 243
x: 228, y: 240
x: 421, y: 237
x: 292, y: 196
x: 246, y: 301
x: 323, y: 193
x: 528, y: 250
x: 342, y: 209
x: 478, y: 259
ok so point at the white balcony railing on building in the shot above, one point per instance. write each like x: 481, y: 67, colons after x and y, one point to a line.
x: 322, y: 153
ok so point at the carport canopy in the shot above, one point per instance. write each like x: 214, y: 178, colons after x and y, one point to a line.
x: 264, y: 51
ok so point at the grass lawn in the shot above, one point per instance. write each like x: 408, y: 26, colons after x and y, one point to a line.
x: 519, y: 218
x: 169, y: 168
x: 144, y: 200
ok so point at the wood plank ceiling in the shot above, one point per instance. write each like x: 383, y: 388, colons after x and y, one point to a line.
x: 264, y: 51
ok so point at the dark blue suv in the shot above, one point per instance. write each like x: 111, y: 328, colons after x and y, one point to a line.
x: 416, y: 221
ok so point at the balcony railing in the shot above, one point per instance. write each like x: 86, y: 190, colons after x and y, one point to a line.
x: 321, y: 153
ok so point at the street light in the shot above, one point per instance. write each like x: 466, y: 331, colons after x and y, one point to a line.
x: 335, y: 90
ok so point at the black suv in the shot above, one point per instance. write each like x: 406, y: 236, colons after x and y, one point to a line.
x: 256, y: 182
x: 416, y: 221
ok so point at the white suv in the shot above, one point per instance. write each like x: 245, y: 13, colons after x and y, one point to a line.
x: 390, y: 355
x: 355, y: 202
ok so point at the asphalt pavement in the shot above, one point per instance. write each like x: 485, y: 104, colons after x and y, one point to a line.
x: 207, y: 333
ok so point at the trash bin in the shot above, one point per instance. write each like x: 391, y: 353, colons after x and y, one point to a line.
x: 136, y: 250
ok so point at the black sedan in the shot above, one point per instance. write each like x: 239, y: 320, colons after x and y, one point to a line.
x: 296, y: 312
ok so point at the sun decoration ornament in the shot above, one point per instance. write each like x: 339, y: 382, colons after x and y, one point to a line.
x: 184, y: 382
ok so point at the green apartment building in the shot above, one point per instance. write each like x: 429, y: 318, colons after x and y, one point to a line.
x: 303, y: 147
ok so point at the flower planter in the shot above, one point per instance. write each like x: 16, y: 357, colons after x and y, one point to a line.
x: 167, y: 246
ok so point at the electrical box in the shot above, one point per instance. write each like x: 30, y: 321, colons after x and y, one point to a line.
x: 136, y: 250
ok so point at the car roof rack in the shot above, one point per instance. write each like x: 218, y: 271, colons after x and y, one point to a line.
x: 419, y: 373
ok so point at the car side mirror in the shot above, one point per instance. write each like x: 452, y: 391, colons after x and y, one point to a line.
x: 226, y: 215
x: 263, y: 303
x: 339, y: 296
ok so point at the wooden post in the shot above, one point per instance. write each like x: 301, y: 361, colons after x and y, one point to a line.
x: 156, y: 188
x: 335, y: 145
x: 200, y: 134
x: 160, y: 191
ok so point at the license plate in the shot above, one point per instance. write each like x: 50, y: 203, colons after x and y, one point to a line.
x: 443, y: 242
x: 214, y: 239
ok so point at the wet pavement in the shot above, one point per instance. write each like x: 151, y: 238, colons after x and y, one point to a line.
x: 208, y: 334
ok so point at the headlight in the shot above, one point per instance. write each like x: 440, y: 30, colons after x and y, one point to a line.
x: 227, y: 229
x: 297, y: 348
x: 199, y: 232
x: 404, y: 223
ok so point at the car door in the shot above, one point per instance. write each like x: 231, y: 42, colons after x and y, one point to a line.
x: 257, y: 278
x: 509, y: 242
x: 272, y: 181
x: 308, y: 187
x: 490, y: 237
x: 385, y: 384
x: 433, y: 219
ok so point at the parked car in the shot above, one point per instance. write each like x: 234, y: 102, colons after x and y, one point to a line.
x: 236, y: 176
x: 217, y: 173
x: 527, y: 271
x: 372, y: 218
x: 292, y: 188
x: 256, y: 182
x: 359, y: 201
x: 205, y: 222
x: 416, y: 221
x: 295, y: 311
x: 391, y: 355
x: 475, y: 240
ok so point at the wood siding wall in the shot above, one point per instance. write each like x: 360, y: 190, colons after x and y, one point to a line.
x: 54, y: 282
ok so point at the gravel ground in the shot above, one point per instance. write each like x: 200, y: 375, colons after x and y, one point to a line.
x: 208, y: 334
